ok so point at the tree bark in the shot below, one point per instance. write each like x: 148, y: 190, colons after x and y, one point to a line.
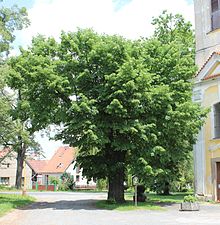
x: 20, y: 163
x: 116, y: 178
x: 116, y: 188
x: 166, y: 190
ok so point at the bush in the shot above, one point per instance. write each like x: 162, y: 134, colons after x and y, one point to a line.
x: 67, y: 182
x: 54, y: 180
x: 101, y: 184
x: 190, y: 198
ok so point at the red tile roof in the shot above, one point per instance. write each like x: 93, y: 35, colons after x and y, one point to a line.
x: 211, y: 76
x: 61, y: 160
x: 4, y: 152
x: 217, y: 53
x: 37, y: 165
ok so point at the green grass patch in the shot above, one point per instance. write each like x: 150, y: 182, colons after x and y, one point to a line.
x: 128, y: 205
x: 153, y: 202
x: 12, y: 201
x: 172, y: 198
x: 6, y: 188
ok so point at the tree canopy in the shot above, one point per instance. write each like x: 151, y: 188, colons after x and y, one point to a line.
x: 170, y: 55
x: 11, y: 19
x: 123, y: 103
x: 14, y: 118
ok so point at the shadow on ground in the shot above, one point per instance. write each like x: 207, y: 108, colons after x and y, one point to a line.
x: 88, y: 204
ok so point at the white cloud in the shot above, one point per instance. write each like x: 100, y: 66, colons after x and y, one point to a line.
x: 49, y: 17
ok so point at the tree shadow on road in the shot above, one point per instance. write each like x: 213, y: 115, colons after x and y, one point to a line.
x: 87, y: 204
x: 92, y: 204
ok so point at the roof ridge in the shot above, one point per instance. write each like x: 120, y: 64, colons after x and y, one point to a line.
x: 215, y: 52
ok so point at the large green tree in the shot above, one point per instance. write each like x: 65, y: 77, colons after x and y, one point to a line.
x: 111, y: 98
x: 170, y: 56
x: 99, y: 89
x: 13, y: 130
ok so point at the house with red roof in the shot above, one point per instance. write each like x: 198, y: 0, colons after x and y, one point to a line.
x: 63, y: 160
x: 39, y: 171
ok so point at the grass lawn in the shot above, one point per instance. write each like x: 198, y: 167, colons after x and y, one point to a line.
x: 154, y: 202
x: 10, y: 201
x: 6, y: 188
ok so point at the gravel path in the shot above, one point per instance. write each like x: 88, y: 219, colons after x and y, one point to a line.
x: 79, y: 209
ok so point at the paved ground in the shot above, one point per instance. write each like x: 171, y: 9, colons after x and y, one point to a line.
x: 79, y: 209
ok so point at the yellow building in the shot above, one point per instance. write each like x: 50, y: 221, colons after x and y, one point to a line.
x: 207, y: 93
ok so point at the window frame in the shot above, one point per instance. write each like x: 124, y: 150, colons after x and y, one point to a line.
x: 5, y: 182
x: 215, y: 15
x: 77, y: 178
x: 216, y: 120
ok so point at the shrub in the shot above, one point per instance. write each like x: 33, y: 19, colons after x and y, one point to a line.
x: 67, y: 182
x: 190, y: 198
x: 101, y: 184
x: 54, y: 180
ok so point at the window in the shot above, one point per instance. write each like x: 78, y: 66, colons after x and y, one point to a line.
x: 77, y: 178
x: 215, y: 16
x: 78, y: 169
x: 217, y: 120
x: 4, y: 180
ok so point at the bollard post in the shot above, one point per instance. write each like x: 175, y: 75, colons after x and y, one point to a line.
x: 136, y: 195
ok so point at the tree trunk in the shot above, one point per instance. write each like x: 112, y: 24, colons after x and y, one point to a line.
x: 116, y: 179
x: 20, y: 162
x: 166, y: 190
x: 116, y: 188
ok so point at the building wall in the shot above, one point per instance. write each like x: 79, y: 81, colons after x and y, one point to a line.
x: 78, y: 176
x: 211, y: 97
x: 8, y: 168
x: 207, y: 148
x: 27, y: 173
x: 80, y: 181
x: 207, y: 41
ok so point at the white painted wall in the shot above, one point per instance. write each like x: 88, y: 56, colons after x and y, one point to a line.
x: 199, y: 163
x: 207, y: 41
x: 82, y: 180
x: 74, y: 172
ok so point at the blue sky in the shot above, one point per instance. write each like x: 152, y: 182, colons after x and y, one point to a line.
x: 20, y: 3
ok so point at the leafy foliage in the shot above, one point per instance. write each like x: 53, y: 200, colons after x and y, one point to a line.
x: 190, y: 198
x: 11, y: 19
x: 170, y: 56
x: 14, y: 119
x: 122, y: 103
x: 67, y: 181
x: 101, y: 184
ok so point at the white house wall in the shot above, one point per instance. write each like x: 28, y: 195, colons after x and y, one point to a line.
x: 82, y: 180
